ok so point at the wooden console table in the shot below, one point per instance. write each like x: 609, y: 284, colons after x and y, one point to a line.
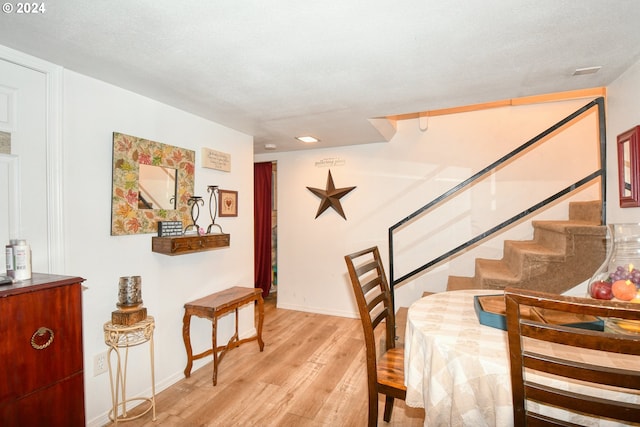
x: 212, y: 307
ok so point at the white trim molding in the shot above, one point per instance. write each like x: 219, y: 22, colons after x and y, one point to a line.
x: 55, y: 217
x: 8, y: 106
x: 10, y: 164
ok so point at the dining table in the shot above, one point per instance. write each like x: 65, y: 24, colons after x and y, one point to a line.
x: 458, y: 369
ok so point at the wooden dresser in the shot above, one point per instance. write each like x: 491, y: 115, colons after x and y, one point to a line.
x: 41, y: 363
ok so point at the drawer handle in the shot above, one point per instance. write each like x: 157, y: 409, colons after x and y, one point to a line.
x: 39, y: 333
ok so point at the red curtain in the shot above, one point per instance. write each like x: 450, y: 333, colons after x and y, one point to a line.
x: 262, y: 225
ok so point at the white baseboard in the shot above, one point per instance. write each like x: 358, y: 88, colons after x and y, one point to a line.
x: 308, y: 309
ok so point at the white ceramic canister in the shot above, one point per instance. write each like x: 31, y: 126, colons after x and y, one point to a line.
x: 22, y: 256
x: 10, y: 260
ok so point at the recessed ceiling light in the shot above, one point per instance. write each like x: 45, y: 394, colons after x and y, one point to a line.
x: 587, y: 70
x: 307, y: 139
x: 269, y: 146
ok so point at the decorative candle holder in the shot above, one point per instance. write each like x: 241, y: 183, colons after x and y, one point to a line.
x: 129, y: 304
x: 213, y: 207
x: 194, y: 202
x: 129, y: 292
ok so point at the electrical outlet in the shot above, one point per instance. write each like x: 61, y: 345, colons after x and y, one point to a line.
x: 99, y: 364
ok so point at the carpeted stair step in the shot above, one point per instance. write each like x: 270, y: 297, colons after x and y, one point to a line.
x: 459, y: 283
x: 590, y: 212
x: 528, y: 254
x: 495, y: 274
x: 561, y: 255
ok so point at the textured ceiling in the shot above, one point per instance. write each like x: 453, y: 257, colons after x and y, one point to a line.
x: 275, y: 69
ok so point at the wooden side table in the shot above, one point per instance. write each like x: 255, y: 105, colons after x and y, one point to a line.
x: 212, y: 307
x: 122, y: 336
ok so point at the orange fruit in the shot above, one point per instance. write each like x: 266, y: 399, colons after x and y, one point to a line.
x: 624, y: 290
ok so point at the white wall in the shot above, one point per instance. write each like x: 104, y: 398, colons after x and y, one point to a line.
x: 623, y: 113
x: 395, y: 178
x: 92, y: 111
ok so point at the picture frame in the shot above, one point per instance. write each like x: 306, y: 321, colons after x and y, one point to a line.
x: 130, y: 154
x: 227, y: 203
x: 629, y: 168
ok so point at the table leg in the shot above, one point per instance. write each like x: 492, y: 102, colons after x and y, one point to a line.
x: 153, y: 380
x: 124, y: 382
x: 119, y: 384
x: 260, y: 320
x: 114, y: 396
x: 214, y: 341
x: 186, y: 337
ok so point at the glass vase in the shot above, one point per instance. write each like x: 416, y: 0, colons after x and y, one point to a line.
x: 619, y: 275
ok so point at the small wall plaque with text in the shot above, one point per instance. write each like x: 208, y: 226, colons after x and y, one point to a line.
x: 218, y: 160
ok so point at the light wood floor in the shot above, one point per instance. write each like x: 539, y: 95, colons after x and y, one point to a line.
x: 311, y: 373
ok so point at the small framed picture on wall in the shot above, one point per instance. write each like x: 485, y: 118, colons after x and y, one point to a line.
x: 227, y: 203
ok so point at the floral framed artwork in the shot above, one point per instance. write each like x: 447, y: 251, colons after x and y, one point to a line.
x: 133, y: 213
x: 227, y: 203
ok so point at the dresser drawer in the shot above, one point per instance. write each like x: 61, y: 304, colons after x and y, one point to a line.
x: 41, y: 339
x: 59, y: 405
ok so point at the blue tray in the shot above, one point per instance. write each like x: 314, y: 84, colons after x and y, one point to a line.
x: 499, y: 321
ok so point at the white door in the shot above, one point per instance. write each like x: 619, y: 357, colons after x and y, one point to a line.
x: 23, y: 160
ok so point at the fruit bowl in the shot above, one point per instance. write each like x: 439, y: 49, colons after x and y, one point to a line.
x: 618, y: 278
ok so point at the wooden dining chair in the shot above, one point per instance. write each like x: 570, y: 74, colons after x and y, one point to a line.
x: 571, y: 363
x: 385, y: 374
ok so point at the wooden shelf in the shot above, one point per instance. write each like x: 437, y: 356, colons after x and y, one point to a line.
x: 180, y: 245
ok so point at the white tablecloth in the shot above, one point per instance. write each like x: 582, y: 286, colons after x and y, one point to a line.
x: 458, y: 369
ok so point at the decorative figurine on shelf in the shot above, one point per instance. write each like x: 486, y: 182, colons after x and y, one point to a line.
x: 130, y: 309
x: 194, y: 201
x: 213, y: 207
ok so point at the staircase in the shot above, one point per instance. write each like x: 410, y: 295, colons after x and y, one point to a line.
x: 561, y: 255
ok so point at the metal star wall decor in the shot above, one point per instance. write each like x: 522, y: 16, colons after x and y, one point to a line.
x: 330, y: 197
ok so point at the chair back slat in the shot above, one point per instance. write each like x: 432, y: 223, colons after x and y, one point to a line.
x: 576, y: 402
x: 371, y: 286
x: 376, y: 303
x: 584, y: 338
x: 582, y: 371
x: 537, y: 420
x: 616, y: 377
x: 383, y: 315
x: 366, y: 267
